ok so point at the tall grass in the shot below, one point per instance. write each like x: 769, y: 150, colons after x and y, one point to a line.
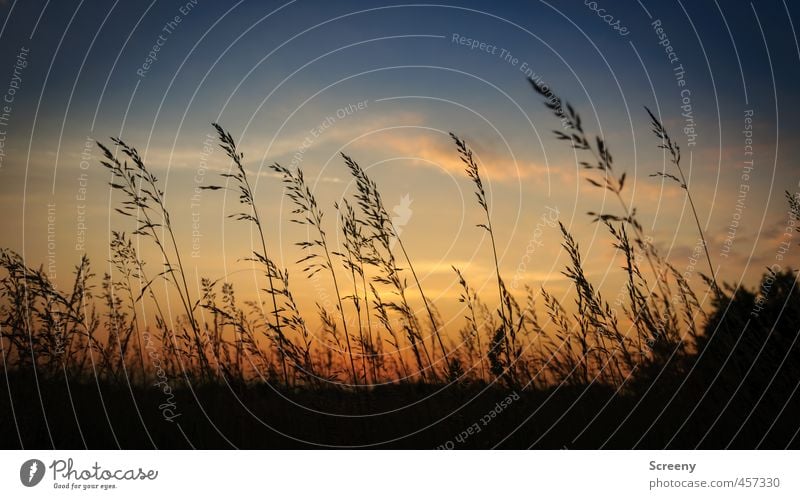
x: 653, y: 310
x: 674, y: 151
x: 318, y: 252
x: 501, y: 335
x: 241, y: 185
x: 594, y: 340
x: 143, y: 202
x: 383, y: 232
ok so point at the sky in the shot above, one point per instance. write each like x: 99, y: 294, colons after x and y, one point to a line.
x: 300, y: 82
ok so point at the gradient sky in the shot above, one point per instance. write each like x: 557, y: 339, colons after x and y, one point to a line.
x: 271, y: 72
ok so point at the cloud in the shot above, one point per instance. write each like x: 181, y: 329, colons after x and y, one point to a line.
x: 338, y: 131
x: 426, y: 150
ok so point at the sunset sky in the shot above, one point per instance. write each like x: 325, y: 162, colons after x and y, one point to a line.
x: 299, y: 82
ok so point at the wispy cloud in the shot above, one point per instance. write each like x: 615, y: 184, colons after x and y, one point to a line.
x: 426, y: 150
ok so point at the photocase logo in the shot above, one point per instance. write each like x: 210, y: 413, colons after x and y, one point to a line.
x: 31, y: 472
x: 403, y: 214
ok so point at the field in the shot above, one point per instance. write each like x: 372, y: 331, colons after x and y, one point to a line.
x: 673, y: 365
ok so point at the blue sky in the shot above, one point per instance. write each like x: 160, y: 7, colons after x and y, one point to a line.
x: 273, y: 71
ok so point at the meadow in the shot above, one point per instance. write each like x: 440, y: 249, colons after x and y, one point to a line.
x: 671, y: 365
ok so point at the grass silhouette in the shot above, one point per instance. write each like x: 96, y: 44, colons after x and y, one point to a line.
x: 680, y: 376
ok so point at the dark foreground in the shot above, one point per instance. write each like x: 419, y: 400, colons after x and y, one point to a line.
x: 85, y: 415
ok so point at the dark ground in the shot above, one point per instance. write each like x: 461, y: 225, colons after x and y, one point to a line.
x: 262, y: 418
